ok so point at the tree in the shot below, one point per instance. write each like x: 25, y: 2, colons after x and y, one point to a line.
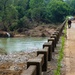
x: 4, y: 4
x: 15, y: 14
x: 12, y: 15
x: 57, y: 10
x: 71, y: 3
x: 36, y: 8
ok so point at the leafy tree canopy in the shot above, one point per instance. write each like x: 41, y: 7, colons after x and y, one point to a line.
x: 16, y: 14
x: 57, y: 10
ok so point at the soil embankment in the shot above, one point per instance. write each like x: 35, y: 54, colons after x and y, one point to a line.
x: 39, y: 31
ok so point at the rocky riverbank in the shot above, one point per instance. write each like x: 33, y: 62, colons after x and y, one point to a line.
x: 15, y: 63
x: 38, y: 31
x: 2, y: 51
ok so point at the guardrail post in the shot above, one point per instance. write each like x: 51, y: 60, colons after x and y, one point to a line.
x: 45, y: 52
x: 37, y: 65
x: 49, y: 45
x: 54, y: 36
x: 53, y: 43
x: 37, y: 62
x: 59, y: 30
x: 57, y: 33
x: 30, y: 71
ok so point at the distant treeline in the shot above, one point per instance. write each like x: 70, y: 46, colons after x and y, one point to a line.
x: 15, y: 14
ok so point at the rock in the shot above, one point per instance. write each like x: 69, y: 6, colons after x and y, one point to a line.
x: 40, y: 31
x: 17, y: 57
x: 5, y: 34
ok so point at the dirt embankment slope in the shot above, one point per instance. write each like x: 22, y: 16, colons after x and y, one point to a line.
x: 38, y: 31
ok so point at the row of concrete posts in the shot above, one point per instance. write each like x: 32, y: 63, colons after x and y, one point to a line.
x: 39, y: 64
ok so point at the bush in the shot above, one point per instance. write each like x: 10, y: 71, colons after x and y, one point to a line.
x: 13, y: 26
x: 56, y: 11
x: 24, y: 22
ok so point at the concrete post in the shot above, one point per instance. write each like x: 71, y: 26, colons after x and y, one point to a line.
x: 49, y: 45
x: 57, y: 33
x: 54, y: 36
x: 53, y: 43
x: 38, y: 62
x: 45, y: 52
x: 30, y: 71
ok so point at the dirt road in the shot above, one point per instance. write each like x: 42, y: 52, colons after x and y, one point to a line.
x: 70, y: 51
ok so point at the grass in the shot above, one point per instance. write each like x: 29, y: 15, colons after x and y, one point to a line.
x: 61, y: 54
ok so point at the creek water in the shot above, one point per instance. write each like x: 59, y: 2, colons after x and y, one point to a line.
x: 22, y: 44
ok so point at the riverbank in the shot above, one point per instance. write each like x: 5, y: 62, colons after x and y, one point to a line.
x: 38, y: 31
x: 15, y: 63
x: 2, y: 51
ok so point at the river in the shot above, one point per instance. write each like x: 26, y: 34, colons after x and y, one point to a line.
x: 22, y: 44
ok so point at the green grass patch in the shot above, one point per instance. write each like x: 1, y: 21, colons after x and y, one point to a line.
x: 61, y: 54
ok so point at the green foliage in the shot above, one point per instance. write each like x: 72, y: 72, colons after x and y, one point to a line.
x: 57, y: 71
x: 71, y: 3
x: 24, y: 23
x: 36, y: 9
x: 36, y: 3
x: 57, y: 10
x: 13, y: 27
x: 19, y: 13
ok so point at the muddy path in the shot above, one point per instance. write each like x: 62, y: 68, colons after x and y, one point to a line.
x: 69, y: 52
